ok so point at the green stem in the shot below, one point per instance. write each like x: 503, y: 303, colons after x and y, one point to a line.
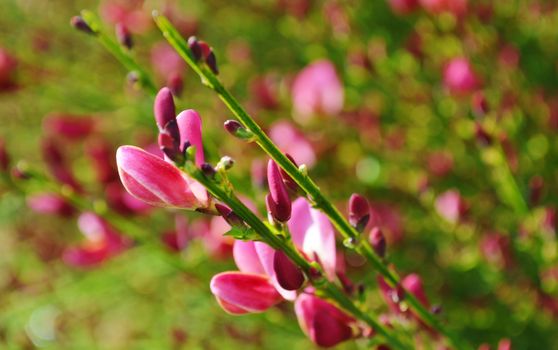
x: 118, y: 51
x: 328, y: 288
x: 307, y: 184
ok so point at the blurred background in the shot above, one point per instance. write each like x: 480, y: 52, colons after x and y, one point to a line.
x: 442, y: 113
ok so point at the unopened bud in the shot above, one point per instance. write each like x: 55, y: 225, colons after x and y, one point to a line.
x: 230, y: 216
x: 123, y: 35
x: 211, y: 62
x: 278, y: 201
x: 208, y: 170
x: 378, y: 241
x: 79, y: 23
x: 236, y: 129
x: 163, y: 108
x: 289, y: 276
x: 225, y: 163
x: 4, y: 157
x: 287, y: 179
x: 479, y: 105
x: 195, y: 48
x: 168, y: 146
x: 359, y: 212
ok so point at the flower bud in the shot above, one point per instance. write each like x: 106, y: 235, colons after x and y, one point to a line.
x: 225, y: 163
x: 195, y: 48
x: 164, y: 109
x: 208, y: 170
x: 123, y: 35
x: 79, y: 23
x: 359, y: 212
x: 287, y: 179
x: 278, y: 201
x: 289, y: 276
x: 211, y: 62
x: 230, y: 216
x: 4, y: 157
x: 236, y: 129
x: 378, y: 241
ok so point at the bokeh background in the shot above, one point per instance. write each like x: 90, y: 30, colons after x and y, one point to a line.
x: 459, y: 165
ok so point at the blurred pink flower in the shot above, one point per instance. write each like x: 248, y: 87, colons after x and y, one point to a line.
x: 291, y: 141
x: 8, y: 65
x: 325, y: 324
x: 457, y: 7
x: 403, y: 7
x: 50, y: 203
x: 69, y: 126
x: 168, y: 65
x: 459, y: 77
x: 450, y: 206
x: 497, y: 250
x: 317, y: 89
x: 102, y: 242
x: 129, y: 13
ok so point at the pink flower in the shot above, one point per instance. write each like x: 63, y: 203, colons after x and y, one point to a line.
x: 312, y: 234
x: 450, y: 206
x: 459, y: 77
x: 158, y: 182
x: 291, y: 141
x: 317, y: 90
x: 102, y: 242
x: 403, y: 7
x: 50, y: 203
x: 457, y: 7
x: 8, y: 66
x: 69, y: 126
x: 127, y: 12
x: 325, y: 324
x: 168, y: 65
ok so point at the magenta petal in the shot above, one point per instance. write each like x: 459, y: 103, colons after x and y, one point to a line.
x: 189, y: 124
x: 153, y: 180
x: 246, y: 257
x: 324, y: 323
x: 84, y: 256
x: 242, y: 291
x: 413, y: 284
x: 300, y: 221
x: 280, y: 208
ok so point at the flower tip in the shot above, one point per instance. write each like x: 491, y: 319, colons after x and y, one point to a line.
x: 289, y: 276
x: 359, y: 211
x: 163, y: 108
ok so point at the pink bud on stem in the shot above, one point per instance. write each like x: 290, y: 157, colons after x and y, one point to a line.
x: 278, y: 201
x: 123, y: 35
x: 359, y: 212
x: 79, y: 23
x: 289, y: 276
x: 378, y: 241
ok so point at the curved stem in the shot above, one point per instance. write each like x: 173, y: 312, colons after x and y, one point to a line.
x: 301, y: 178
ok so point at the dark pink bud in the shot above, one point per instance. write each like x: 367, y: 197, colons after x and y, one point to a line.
x: 378, y: 241
x: 479, y: 105
x: 289, y: 276
x: 536, y: 186
x: 236, y: 129
x: 279, y: 203
x: 195, y: 48
x: 359, y: 211
x: 169, y: 146
x: 78, y: 23
x: 287, y: 179
x: 4, y: 156
x: 211, y: 62
x: 413, y: 284
x: 208, y: 170
x: 56, y: 163
x: 204, y: 48
x: 230, y: 217
x: 163, y: 108
x: 123, y: 35
x: 483, y: 138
